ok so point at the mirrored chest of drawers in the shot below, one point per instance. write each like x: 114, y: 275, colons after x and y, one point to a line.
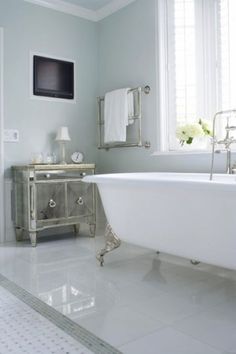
x: 46, y: 196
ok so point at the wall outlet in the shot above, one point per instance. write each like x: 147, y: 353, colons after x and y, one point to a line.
x: 11, y: 136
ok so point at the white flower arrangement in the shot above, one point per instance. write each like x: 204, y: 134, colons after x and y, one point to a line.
x: 206, y: 126
x: 186, y: 133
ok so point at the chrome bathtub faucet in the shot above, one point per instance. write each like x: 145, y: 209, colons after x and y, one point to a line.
x: 227, y: 141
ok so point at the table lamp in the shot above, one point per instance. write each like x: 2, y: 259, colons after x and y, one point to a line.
x: 62, y: 137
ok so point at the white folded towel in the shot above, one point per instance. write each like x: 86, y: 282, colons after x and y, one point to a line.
x: 118, y: 108
x: 130, y: 107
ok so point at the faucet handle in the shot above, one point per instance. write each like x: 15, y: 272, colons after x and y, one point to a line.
x: 226, y: 141
x: 220, y: 142
x: 232, y: 127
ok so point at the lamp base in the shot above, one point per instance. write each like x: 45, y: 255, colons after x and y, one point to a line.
x: 63, y: 153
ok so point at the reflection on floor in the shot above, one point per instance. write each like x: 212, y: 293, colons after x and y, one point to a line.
x: 22, y: 312
x: 139, y: 302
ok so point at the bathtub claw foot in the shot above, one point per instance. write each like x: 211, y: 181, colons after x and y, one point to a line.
x: 100, y: 259
x: 112, y: 242
x: 194, y: 262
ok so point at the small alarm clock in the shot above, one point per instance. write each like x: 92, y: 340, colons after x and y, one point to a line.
x: 77, y: 157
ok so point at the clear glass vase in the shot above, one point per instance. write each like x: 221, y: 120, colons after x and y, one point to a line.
x: 198, y: 144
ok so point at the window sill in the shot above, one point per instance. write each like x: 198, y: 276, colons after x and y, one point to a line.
x: 181, y: 153
x: 189, y: 152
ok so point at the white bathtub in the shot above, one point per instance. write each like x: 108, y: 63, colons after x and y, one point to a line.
x: 181, y: 214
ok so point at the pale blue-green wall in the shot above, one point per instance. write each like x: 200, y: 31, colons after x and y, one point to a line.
x: 127, y: 42
x: 117, y: 52
x: 28, y: 27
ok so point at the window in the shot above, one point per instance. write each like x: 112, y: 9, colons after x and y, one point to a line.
x: 227, y: 53
x: 197, y: 57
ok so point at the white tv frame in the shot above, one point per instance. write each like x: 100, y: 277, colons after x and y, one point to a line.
x: 31, y: 76
x: 2, y: 194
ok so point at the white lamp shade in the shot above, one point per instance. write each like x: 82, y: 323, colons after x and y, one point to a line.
x: 63, y: 134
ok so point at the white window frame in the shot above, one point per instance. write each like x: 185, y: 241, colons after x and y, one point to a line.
x: 162, y: 76
x: 2, y: 215
x: 208, y: 75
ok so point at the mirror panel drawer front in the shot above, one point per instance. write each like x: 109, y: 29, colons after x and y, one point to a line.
x: 61, y: 174
x: 50, y: 201
x: 80, y: 199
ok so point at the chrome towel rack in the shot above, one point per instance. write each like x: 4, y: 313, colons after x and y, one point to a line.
x: 137, y: 117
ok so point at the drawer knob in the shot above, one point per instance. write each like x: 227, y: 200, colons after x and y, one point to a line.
x: 52, y: 203
x: 80, y: 201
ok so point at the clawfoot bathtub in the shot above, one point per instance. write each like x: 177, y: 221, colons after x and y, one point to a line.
x: 178, y: 213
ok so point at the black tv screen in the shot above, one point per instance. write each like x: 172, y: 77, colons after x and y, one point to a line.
x: 53, y: 77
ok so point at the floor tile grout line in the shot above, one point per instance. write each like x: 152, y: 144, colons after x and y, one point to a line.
x: 143, y: 336
x: 197, y: 339
x: 80, y: 334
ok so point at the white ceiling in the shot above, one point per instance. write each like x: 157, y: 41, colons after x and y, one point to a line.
x: 90, y: 4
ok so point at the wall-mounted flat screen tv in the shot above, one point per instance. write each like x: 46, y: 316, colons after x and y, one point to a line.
x: 53, y: 77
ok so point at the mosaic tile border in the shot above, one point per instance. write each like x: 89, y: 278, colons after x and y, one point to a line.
x: 80, y: 334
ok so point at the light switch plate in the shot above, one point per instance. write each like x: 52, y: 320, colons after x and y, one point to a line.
x: 11, y: 136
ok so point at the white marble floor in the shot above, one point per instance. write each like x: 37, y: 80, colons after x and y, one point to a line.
x: 139, y: 302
